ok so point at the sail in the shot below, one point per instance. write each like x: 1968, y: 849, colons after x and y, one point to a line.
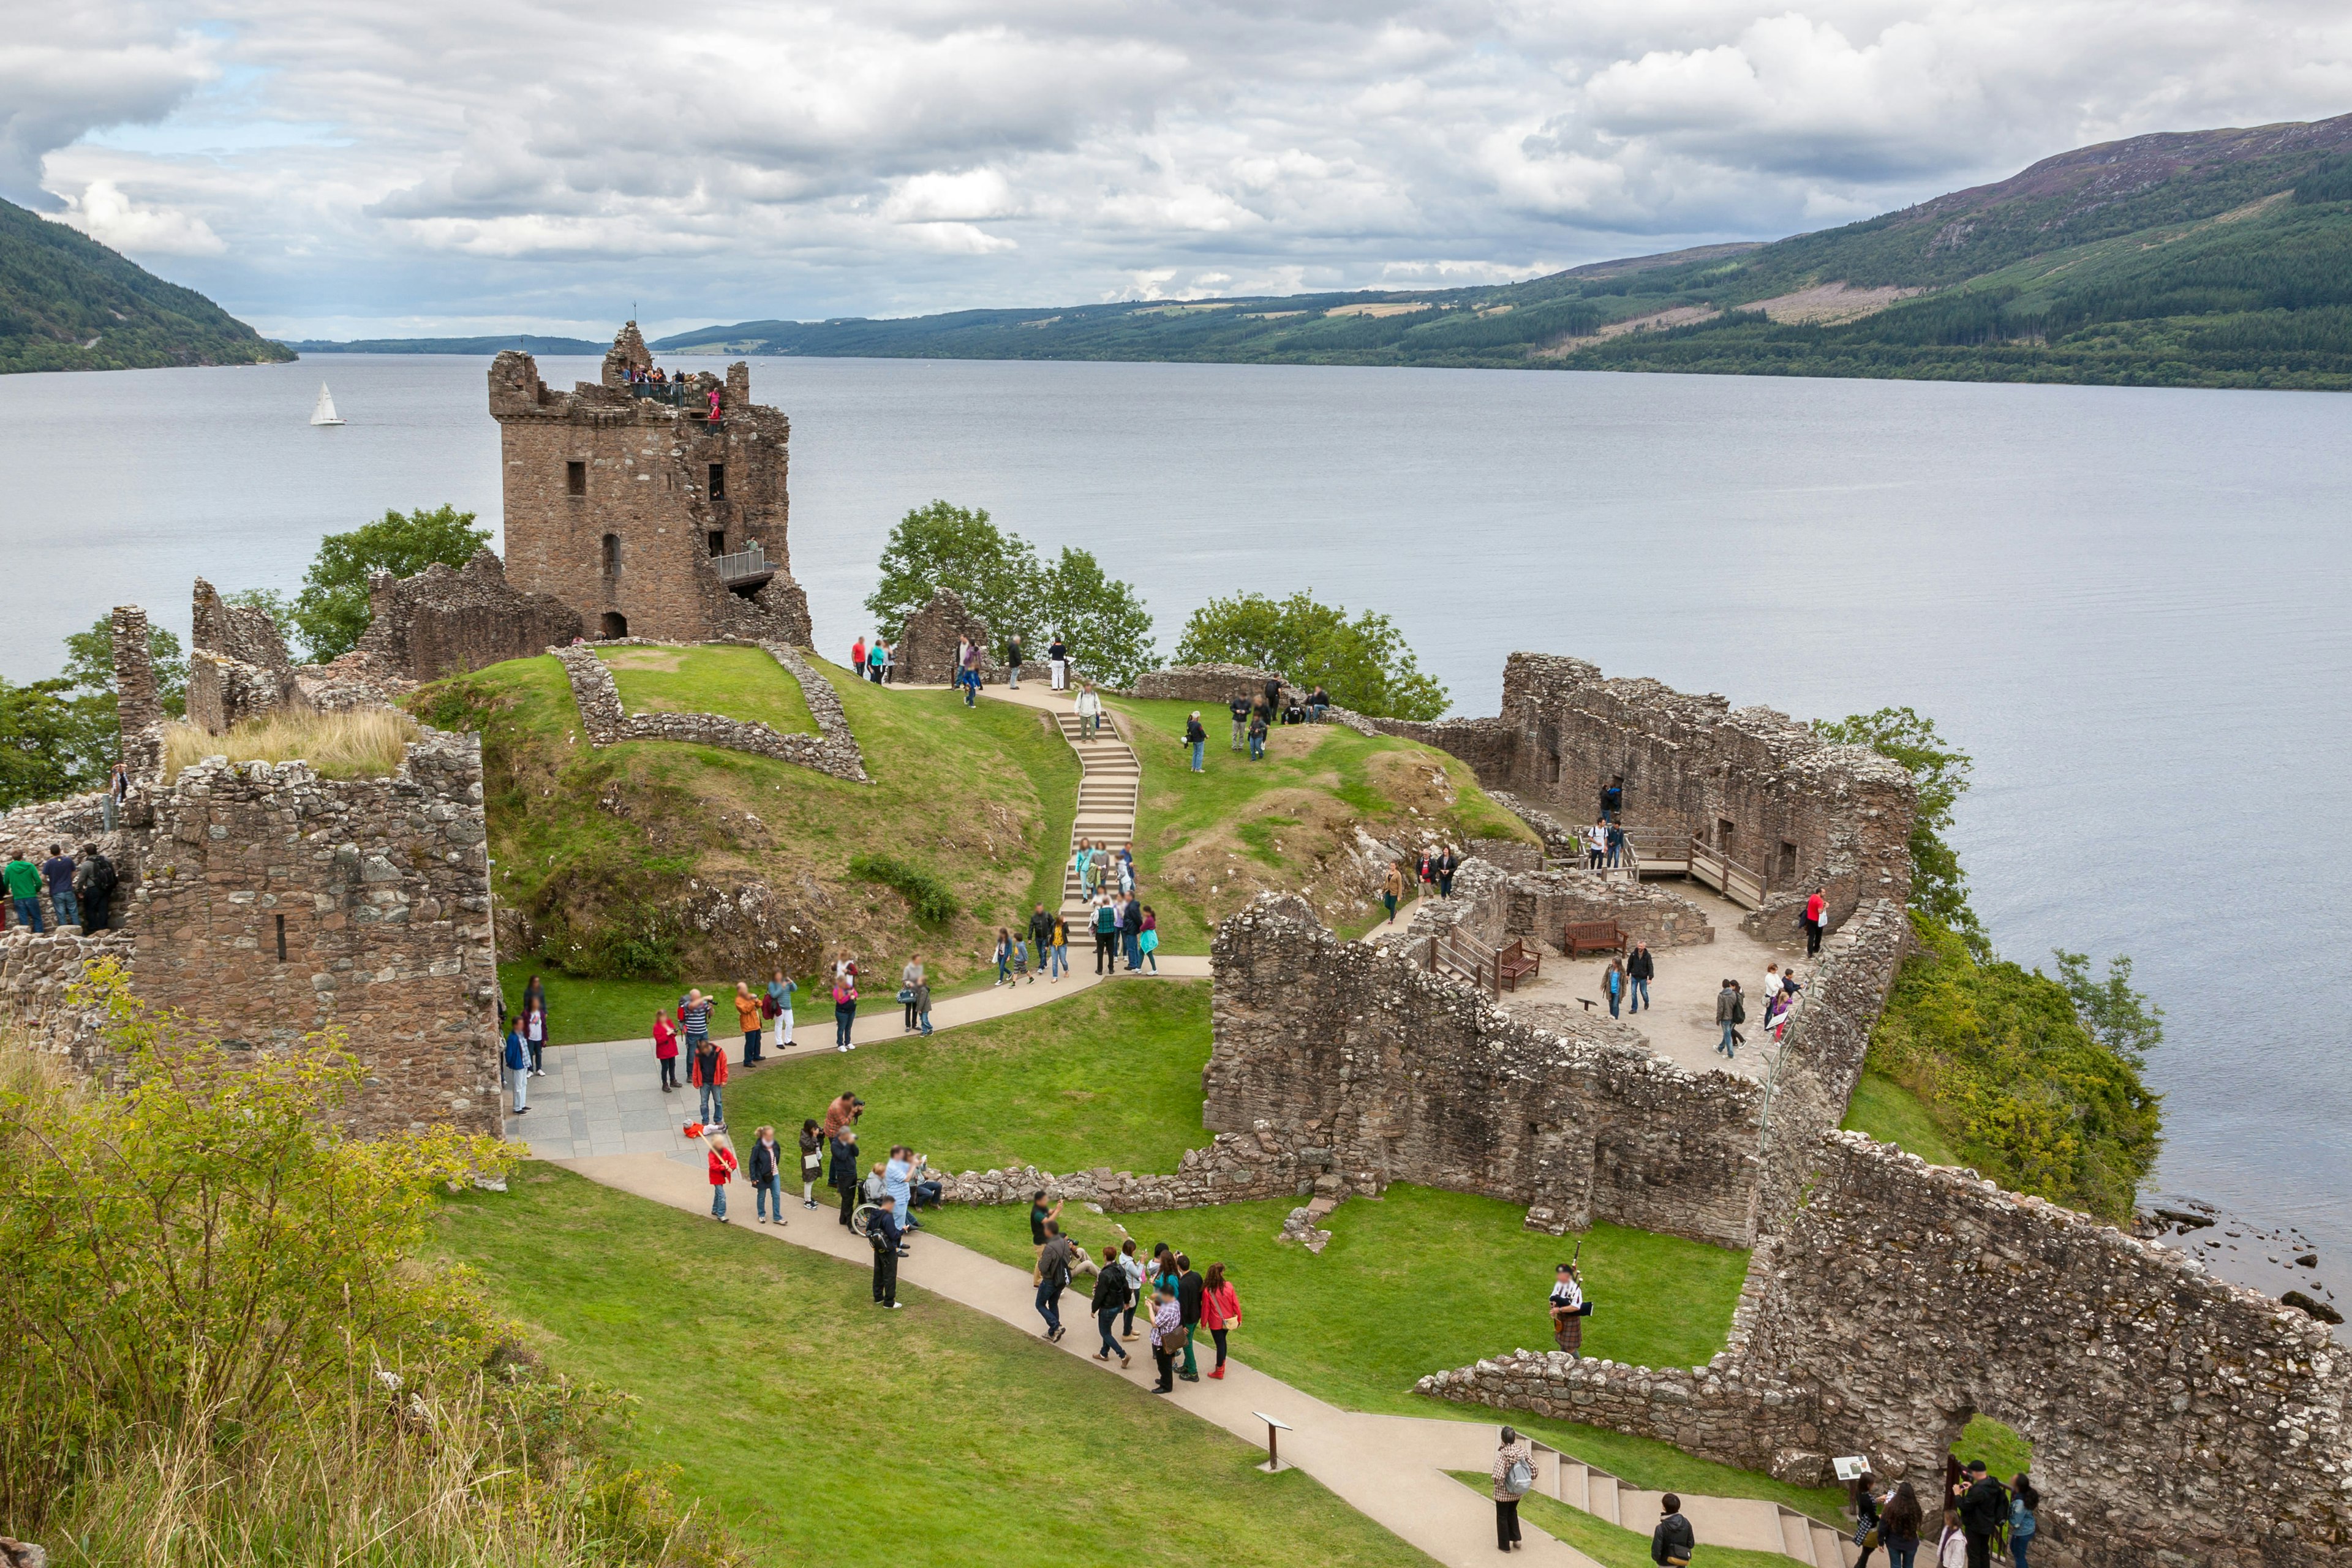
x: 324, y: 414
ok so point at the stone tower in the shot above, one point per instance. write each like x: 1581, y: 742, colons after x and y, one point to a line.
x: 630, y: 504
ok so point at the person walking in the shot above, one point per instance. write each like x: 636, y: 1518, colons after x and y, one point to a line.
x: 705, y: 1068
x: 877, y: 662
x: 1196, y: 741
x: 1013, y: 662
x: 812, y: 1160
x: 58, y: 870
x: 1041, y: 937
x: 1672, y: 1542
x: 1132, y: 1266
x: 1167, y: 1329
x: 767, y: 1175
x: 780, y: 1009
x: 1900, y: 1525
x: 1090, y: 705
x: 1393, y: 888
x: 1106, y: 928
x: 858, y: 656
x: 1569, y: 1309
x: 93, y: 884
x: 1448, y: 863
x: 909, y: 978
x: 1189, y: 1288
x: 1514, y: 1475
x: 1130, y: 931
x: 665, y: 1049
x: 2023, y: 1500
x: 722, y: 1169
x: 1057, y: 659
x: 1147, y: 940
x: 1053, y: 1278
x: 1612, y: 980
x: 1240, y: 710
x: 1114, y: 1294
x: 1729, y: 1013
x: 1817, y: 915
x: 883, y: 1234
x: 844, y: 1010
x: 1003, y: 955
x: 747, y: 1016
x: 970, y: 663
x: 1640, y: 970
x: 1059, y: 939
x: 518, y: 1068
x: 535, y: 1025
x: 1257, y: 733
x: 1221, y: 1310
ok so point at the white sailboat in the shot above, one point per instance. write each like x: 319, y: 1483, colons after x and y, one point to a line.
x: 324, y: 414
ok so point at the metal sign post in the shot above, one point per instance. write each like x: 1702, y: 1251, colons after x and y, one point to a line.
x: 1273, y: 1465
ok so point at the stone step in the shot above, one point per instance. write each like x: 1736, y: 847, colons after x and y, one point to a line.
x: 1574, y: 1480
x: 1797, y: 1536
x: 1600, y: 1488
x: 1829, y: 1547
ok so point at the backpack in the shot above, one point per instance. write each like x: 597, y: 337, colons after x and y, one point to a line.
x: 1519, y: 1477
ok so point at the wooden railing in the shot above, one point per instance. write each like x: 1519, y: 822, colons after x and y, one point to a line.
x: 1726, y: 876
x: 1451, y: 952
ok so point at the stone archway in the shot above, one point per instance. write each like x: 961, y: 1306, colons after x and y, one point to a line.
x: 617, y: 625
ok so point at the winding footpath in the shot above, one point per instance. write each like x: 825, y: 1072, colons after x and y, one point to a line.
x: 602, y: 1115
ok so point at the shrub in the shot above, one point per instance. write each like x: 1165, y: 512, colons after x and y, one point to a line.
x: 933, y: 901
x: 1363, y: 661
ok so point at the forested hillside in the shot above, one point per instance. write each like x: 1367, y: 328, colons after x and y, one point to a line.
x: 67, y: 302
x: 2205, y: 259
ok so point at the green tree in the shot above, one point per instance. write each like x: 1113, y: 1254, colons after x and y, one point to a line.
x: 333, y: 608
x: 1939, y: 889
x: 89, y: 665
x: 42, y: 738
x: 1361, y: 660
x: 2120, y: 1018
x: 1106, y: 624
x: 947, y: 546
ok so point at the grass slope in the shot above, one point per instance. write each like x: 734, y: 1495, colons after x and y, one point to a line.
x: 1211, y: 841
x: 822, y: 1431
x: 67, y: 302
x: 735, y: 682
x: 1893, y: 1114
x: 611, y: 851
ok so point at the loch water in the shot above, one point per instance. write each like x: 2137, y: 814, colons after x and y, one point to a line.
x: 2129, y: 604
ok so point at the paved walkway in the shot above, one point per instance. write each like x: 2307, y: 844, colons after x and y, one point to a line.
x: 1392, y: 1468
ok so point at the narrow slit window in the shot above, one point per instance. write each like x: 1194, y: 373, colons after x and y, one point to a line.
x: 281, y: 939
x: 576, y: 479
x: 612, y: 555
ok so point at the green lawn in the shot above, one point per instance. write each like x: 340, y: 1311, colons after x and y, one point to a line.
x: 1111, y: 1076
x: 735, y: 682
x: 1412, y: 1283
x: 1611, y: 1545
x: 580, y: 1010
x: 1210, y: 841
x: 1891, y: 1113
x: 822, y: 1431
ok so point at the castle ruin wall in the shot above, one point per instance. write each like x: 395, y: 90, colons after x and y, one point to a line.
x: 444, y: 621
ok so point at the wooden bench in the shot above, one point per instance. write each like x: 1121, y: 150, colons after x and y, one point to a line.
x: 1516, y: 962
x: 1592, y: 936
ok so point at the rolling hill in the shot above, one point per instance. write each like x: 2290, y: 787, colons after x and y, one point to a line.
x: 2200, y: 259
x: 67, y: 302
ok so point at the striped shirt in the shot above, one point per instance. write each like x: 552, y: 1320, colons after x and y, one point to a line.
x: 697, y: 1019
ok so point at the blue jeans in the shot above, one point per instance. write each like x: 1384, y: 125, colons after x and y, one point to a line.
x: 68, y: 913
x: 761, y: 1192
x: 714, y: 1109
x: 1108, y: 1322
x: 1616, y: 998
x: 1049, y: 1306
x: 1637, y: 993
x: 971, y: 684
x: 28, y: 913
x: 1899, y: 1555
x: 844, y: 1013
x: 1133, y: 949
x: 2017, y: 1549
x: 1257, y: 746
x: 719, y: 1201
x: 1725, y: 1045
x: 1061, y: 960
x: 1198, y: 748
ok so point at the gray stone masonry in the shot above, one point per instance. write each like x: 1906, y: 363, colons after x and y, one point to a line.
x: 1234, y: 1168
x: 447, y: 622
x: 1211, y: 685
x: 137, y: 707
x: 832, y: 750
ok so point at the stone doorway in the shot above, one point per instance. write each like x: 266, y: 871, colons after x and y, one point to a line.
x: 617, y: 625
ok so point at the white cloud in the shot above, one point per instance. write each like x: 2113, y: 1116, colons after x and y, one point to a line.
x: 747, y: 158
x: 111, y: 218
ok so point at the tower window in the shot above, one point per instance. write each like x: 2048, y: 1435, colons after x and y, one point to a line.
x: 281, y: 939
x: 718, y: 481
x: 718, y: 542
x: 576, y: 479
x: 612, y: 555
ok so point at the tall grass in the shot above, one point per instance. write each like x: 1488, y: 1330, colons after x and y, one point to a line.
x: 356, y: 744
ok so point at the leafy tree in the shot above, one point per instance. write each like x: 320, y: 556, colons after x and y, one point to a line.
x: 1939, y: 889
x: 1363, y: 661
x: 2120, y: 1018
x: 89, y: 665
x: 42, y: 738
x: 1108, y: 626
x: 947, y: 546
x: 333, y: 608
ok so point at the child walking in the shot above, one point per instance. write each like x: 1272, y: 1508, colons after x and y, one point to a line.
x: 722, y: 1169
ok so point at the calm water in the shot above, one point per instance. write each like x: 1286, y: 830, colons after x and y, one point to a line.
x: 2130, y: 606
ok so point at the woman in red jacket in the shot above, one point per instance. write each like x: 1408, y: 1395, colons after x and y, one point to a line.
x: 722, y: 1170
x: 1221, y: 1309
x: 665, y: 1050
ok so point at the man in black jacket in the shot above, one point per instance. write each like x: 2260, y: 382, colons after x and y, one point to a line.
x: 1130, y: 933
x: 1188, y: 1289
x: 883, y: 1235
x: 1984, y: 1509
x: 1447, y: 864
x: 93, y: 885
x: 1111, y: 1299
x: 1640, y: 970
x: 1041, y: 933
x: 842, y: 1172
x: 1671, y: 1542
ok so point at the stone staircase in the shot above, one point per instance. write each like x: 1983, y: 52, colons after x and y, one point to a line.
x: 1748, y: 1522
x: 1106, y: 791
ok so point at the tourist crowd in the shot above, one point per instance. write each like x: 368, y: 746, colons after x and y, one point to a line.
x: 58, y: 891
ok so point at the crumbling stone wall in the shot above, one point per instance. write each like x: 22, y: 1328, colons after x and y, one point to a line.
x: 137, y: 706
x: 1414, y: 1078
x: 832, y: 750
x: 1214, y: 685
x: 1236, y: 1167
x: 615, y: 504
x: 1753, y: 783
x: 37, y: 973
x: 925, y: 654
x: 447, y: 622
x: 1540, y: 905
x: 237, y: 665
x: 275, y: 903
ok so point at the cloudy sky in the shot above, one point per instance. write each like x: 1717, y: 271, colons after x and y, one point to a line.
x: 474, y: 165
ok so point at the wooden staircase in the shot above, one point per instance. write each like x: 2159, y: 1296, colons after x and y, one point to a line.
x: 1748, y: 1522
x: 1106, y: 792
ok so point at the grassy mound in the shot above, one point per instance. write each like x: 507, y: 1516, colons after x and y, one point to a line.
x: 618, y: 856
x: 1212, y: 841
x: 820, y: 1430
x: 1891, y: 1113
x: 735, y: 682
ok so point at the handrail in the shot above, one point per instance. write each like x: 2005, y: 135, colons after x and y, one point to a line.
x: 749, y: 562
x: 1451, y: 950
x: 670, y: 392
